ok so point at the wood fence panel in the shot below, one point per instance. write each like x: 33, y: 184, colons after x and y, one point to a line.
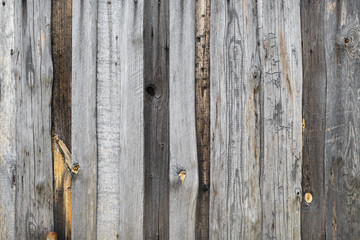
x: 341, y: 167
x: 314, y: 106
x: 34, y: 204
x: 280, y: 41
x: 83, y: 123
x: 183, y: 152
x: 235, y: 202
x: 156, y: 119
x: 8, y: 106
x: 120, y: 120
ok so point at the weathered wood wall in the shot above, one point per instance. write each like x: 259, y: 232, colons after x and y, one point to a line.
x: 150, y: 119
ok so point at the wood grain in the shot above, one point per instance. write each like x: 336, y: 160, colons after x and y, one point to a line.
x: 33, y: 75
x: 182, y: 129
x: 83, y: 123
x: 314, y: 106
x: 156, y: 119
x: 202, y: 102
x: 61, y: 30
x: 235, y: 72
x: 120, y: 120
x: 280, y: 54
x: 341, y: 163
x: 8, y: 106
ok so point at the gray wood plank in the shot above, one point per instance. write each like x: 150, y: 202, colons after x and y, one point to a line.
x: 34, y: 195
x: 120, y: 121
x: 235, y: 202
x: 342, y: 30
x: 202, y: 114
x: 156, y: 119
x: 7, y: 121
x: 314, y: 104
x: 83, y: 123
x: 183, y: 151
x: 280, y: 41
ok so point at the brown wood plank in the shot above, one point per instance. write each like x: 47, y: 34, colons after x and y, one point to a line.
x: 61, y: 32
x: 314, y: 120
x: 156, y: 119
x: 202, y: 101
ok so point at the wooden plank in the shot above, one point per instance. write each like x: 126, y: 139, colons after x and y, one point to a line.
x: 33, y: 74
x: 342, y: 30
x: 183, y: 155
x: 61, y: 28
x: 83, y: 124
x: 156, y: 119
x: 120, y: 120
x: 314, y: 104
x: 280, y: 41
x: 235, y: 201
x: 202, y: 103
x: 7, y: 121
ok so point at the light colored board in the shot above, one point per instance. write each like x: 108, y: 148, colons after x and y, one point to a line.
x: 120, y: 121
x: 33, y: 75
x: 183, y: 151
x: 280, y: 41
x: 235, y: 202
x: 83, y: 123
x: 7, y: 121
x: 341, y: 163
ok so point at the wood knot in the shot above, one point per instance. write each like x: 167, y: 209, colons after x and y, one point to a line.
x: 308, y: 198
x: 182, y: 176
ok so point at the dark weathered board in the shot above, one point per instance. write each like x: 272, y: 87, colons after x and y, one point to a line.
x: 33, y: 76
x: 235, y: 201
x: 342, y: 162
x: 61, y: 30
x: 7, y: 121
x: 280, y: 55
x: 156, y: 119
x: 183, y: 170
x: 314, y: 104
x: 83, y: 124
x: 120, y: 120
x: 202, y: 101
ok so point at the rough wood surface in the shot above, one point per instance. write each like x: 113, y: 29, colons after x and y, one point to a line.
x: 7, y: 121
x: 314, y: 104
x: 341, y: 166
x: 61, y: 30
x: 33, y: 74
x: 235, y: 202
x: 156, y: 119
x: 202, y: 104
x: 280, y: 54
x: 120, y: 120
x: 83, y: 124
x: 183, y: 155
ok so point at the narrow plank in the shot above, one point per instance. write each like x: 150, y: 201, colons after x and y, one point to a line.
x: 33, y: 74
x: 280, y: 41
x: 156, y: 119
x: 314, y: 104
x: 202, y: 101
x: 120, y: 120
x: 342, y: 29
x: 235, y: 202
x: 61, y: 28
x: 83, y: 122
x: 184, y: 180
x: 7, y: 121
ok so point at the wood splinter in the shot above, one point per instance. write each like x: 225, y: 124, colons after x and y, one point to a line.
x: 59, y: 144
